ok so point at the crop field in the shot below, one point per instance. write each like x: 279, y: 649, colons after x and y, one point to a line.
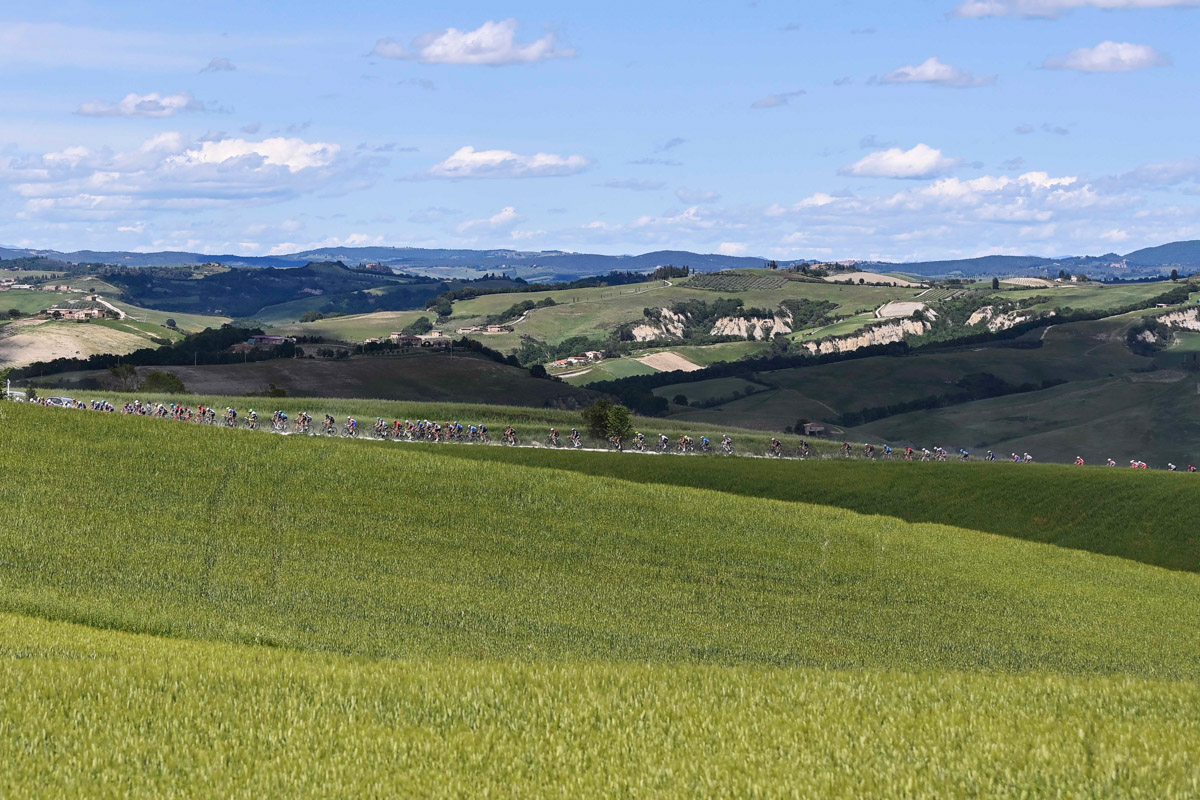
x: 1090, y: 296
x: 733, y: 282
x: 355, y: 327
x: 38, y: 340
x: 549, y: 631
x: 607, y: 370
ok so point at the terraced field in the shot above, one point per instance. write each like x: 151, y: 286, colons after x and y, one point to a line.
x: 548, y: 631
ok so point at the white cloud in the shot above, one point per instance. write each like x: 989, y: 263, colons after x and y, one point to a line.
x: 773, y: 100
x: 295, y: 154
x: 220, y: 65
x: 506, y: 219
x: 1109, y: 57
x: 143, y: 105
x: 935, y: 72
x: 1050, y: 9
x: 922, y: 161
x: 492, y: 44
x: 732, y: 248
x: 467, y: 162
x: 693, y: 197
x: 170, y: 172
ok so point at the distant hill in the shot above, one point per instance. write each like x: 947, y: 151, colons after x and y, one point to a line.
x: 562, y: 265
x: 549, y: 264
x: 1176, y: 254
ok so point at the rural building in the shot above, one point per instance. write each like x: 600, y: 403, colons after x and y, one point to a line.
x: 405, y: 340
x: 438, y: 342
x: 78, y: 314
x: 594, y: 355
x: 815, y: 429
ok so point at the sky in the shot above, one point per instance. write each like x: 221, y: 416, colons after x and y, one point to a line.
x: 871, y: 129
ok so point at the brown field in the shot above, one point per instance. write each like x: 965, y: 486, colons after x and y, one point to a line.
x: 417, y: 377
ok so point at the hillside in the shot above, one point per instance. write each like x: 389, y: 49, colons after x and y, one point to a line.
x: 1180, y: 254
x: 540, y: 613
x: 416, y: 377
x: 556, y: 264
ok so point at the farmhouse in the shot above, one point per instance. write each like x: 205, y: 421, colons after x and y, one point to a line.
x: 77, y: 314
x: 815, y: 429
x: 268, y: 341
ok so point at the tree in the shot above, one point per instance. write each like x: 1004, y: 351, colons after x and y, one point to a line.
x: 4, y: 373
x: 605, y: 419
x: 1174, y: 274
x: 995, y: 283
x: 126, y: 377
x: 14, y: 313
x: 161, y: 382
x: 311, y: 316
x: 30, y: 394
x: 418, y: 327
x: 171, y: 323
x: 680, y: 400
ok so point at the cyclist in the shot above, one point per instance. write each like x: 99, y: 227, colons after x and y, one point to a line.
x: 576, y: 441
x: 554, y: 440
x: 510, y: 435
x: 846, y: 449
x: 776, y: 447
x: 963, y: 454
x: 991, y: 456
x: 352, y: 426
x: 1171, y: 467
x: 1191, y: 468
x: 483, y: 434
x: 1079, y: 461
x: 869, y: 451
x: 727, y: 444
x: 887, y: 451
x: 705, y: 444
x: 639, y: 440
x: 1112, y: 463
x: 804, y: 450
x: 664, y: 443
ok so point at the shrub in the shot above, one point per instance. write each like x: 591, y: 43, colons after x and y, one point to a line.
x: 161, y: 382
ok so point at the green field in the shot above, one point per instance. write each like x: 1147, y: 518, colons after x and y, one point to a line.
x: 31, y: 301
x: 188, y: 323
x: 607, y: 370
x: 548, y: 631
x: 355, y: 327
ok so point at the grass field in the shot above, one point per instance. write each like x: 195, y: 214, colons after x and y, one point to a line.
x: 355, y: 327
x: 547, y: 631
x: 188, y: 323
x: 31, y: 301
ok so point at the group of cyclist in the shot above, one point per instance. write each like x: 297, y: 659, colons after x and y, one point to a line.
x: 429, y: 431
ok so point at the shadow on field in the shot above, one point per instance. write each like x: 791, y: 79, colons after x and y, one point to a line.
x: 1149, y: 517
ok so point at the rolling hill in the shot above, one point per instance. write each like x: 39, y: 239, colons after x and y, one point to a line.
x: 565, y: 265
x: 540, y: 630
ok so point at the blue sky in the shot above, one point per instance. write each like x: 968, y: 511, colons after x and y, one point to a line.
x: 857, y: 129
